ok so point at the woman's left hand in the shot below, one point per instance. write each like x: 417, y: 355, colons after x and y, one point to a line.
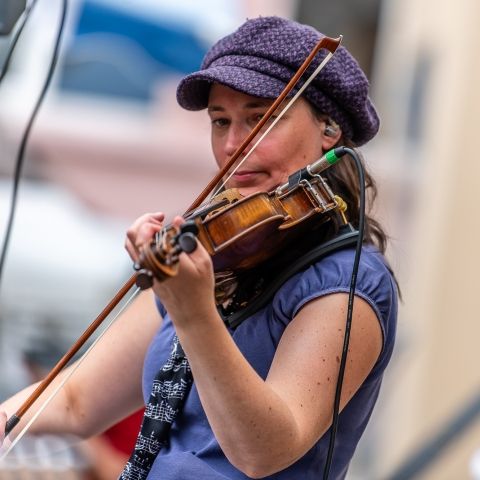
x: 189, y: 295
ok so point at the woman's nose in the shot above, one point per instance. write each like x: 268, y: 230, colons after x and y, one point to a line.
x: 236, y: 135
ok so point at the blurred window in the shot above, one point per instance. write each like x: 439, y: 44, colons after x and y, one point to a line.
x: 121, y: 53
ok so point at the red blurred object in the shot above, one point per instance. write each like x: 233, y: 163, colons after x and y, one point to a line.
x: 122, y: 436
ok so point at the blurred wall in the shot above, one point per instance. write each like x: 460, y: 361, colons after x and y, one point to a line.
x: 356, y: 21
x: 427, y: 75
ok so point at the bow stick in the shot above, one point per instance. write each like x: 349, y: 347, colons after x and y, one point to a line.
x: 328, y: 43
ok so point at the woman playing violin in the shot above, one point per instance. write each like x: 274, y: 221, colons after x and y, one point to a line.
x: 261, y: 401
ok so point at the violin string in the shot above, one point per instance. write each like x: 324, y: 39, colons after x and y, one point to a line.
x: 67, y: 377
x: 280, y: 115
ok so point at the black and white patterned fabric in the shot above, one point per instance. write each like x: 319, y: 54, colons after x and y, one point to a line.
x: 169, y: 390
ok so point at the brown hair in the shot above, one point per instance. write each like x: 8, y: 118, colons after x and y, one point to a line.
x: 343, y: 180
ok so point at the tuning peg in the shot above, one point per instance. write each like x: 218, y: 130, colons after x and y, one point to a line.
x: 187, y: 242
x: 144, y: 279
x: 189, y: 227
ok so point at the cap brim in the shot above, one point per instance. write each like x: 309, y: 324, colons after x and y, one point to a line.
x: 194, y: 89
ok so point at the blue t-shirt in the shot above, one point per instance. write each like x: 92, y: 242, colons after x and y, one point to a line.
x: 194, y: 453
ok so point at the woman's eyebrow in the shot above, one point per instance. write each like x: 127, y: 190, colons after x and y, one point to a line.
x: 248, y: 105
x: 258, y: 104
x: 215, y: 108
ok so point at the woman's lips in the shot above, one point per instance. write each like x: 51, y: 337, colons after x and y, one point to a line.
x: 245, y: 176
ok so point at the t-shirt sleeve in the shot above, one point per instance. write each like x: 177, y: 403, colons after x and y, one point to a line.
x: 332, y: 274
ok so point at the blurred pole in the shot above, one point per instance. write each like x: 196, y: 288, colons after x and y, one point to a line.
x: 10, y: 11
x: 428, y: 453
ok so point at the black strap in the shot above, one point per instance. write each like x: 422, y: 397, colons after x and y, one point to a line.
x: 346, y: 237
x: 169, y: 391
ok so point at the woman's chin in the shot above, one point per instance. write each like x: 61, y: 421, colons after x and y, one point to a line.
x: 247, y: 189
x: 250, y: 190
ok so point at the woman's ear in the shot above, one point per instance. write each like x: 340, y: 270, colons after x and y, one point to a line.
x: 331, y: 134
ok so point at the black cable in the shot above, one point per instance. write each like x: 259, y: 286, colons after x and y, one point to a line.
x: 21, y: 152
x: 23, y: 20
x: 348, y: 324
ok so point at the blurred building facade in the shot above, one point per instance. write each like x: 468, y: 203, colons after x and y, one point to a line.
x: 426, y: 85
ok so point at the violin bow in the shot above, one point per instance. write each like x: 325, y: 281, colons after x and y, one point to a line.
x: 331, y: 44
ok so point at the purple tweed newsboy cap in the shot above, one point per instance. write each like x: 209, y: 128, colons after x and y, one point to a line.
x: 263, y: 54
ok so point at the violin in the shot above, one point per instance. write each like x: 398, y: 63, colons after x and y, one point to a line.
x: 241, y: 232
x: 233, y: 229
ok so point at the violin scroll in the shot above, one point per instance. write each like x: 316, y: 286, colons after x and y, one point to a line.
x: 159, y: 259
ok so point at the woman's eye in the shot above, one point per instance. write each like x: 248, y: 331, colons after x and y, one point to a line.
x: 259, y: 116
x: 219, y: 122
